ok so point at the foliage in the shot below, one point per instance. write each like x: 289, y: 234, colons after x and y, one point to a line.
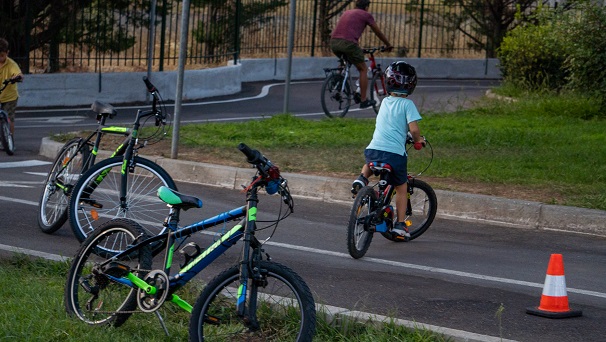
x: 560, y: 49
x: 532, y: 55
x: 103, y: 25
x: 587, y: 62
x: 485, y: 22
x: 220, y: 33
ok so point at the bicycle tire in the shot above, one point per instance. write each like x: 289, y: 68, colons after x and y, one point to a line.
x: 378, y: 90
x: 54, y: 201
x: 359, y: 235
x: 334, y: 102
x: 143, y: 205
x: 114, y: 302
x: 424, y: 205
x: 285, y: 308
x: 6, y: 137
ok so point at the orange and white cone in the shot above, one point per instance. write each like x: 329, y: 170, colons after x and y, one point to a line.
x: 554, y: 300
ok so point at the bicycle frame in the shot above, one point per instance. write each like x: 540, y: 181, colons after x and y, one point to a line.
x: 244, y: 229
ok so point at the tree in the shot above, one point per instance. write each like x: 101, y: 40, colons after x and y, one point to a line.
x: 226, y: 19
x: 96, y: 25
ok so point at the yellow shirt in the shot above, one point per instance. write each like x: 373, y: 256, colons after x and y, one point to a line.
x: 8, y: 70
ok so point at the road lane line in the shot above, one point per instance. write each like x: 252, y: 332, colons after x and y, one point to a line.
x: 24, y: 163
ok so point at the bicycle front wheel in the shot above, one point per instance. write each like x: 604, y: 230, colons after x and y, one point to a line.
x: 359, y: 234
x: 378, y: 90
x: 284, y: 307
x: 70, y: 163
x: 421, y: 211
x: 336, y: 102
x: 6, y: 137
x: 95, y: 198
x: 94, y: 297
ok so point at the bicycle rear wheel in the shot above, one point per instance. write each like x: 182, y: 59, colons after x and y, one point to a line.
x: 6, y: 138
x: 359, y: 235
x: 72, y: 160
x: 423, y: 205
x: 378, y: 90
x: 335, y: 102
x: 95, y: 199
x: 90, y: 294
x: 284, y: 307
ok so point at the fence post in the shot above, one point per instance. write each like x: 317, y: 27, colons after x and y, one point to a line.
x: 151, y: 44
x: 291, y: 40
x: 421, y: 28
x: 162, y: 36
x: 180, y: 76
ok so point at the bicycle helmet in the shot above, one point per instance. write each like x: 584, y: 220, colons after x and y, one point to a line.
x: 401, y: 78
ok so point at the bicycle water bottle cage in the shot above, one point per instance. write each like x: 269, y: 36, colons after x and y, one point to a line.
x: 103, y: 110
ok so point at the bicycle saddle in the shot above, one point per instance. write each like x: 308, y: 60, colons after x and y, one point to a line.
x: 377, y: 167
x: 103, y: 109
x: 178, y: 200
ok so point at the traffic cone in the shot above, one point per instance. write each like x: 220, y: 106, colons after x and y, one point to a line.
x: 554, y: 300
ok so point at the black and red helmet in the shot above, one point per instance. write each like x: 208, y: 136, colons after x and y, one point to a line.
x: 401, y: 78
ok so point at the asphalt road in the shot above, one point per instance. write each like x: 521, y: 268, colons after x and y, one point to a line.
x: 457, y: 275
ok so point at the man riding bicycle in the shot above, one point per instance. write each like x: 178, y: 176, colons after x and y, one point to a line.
x: 344, y: 42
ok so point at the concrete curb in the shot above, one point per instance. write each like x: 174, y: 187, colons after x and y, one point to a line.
x: 493, y: 210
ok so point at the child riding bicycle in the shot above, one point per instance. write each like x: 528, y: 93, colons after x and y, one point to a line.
x: 397, y: 117
x: 9, y: 70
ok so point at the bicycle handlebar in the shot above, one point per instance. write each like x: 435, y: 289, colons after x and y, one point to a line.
x: 374, y: 49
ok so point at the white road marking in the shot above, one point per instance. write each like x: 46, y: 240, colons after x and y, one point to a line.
x: 25, y: 163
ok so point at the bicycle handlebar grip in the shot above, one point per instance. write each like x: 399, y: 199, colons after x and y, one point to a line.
x: 252, y: 156
x: 150, y: 87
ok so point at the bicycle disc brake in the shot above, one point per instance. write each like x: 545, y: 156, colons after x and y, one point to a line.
x: 150, y: 302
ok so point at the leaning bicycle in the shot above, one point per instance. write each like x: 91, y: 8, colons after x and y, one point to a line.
x: 338, y: 91
x: 112, y: 275
x: 6, y: 137
x: 124, y: 185
x: 373, y: 210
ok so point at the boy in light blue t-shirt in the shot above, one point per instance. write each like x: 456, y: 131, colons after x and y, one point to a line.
x: 397, y: 117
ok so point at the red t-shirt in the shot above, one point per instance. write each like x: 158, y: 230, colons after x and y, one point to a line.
x: 351, y: 25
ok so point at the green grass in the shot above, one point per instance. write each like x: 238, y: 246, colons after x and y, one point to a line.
x: 551, y: 145
x: 31, y: 293
x: 543, y: 147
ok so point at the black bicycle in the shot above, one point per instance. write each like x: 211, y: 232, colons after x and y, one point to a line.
x: 111, y: 276
x: 373, y: 210
x: 105, y: 193
x: 338, y: 91
x: 6, y: 137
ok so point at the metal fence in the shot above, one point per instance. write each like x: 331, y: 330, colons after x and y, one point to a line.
x: 103, y: 36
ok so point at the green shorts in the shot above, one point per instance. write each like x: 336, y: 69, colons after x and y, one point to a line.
x: 9, y: 107
x: 350, y: 50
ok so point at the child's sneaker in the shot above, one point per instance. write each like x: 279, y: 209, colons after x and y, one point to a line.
x: 400, y: 230
x: 358, y: 184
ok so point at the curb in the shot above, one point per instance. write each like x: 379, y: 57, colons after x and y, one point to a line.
x: 452, y: 205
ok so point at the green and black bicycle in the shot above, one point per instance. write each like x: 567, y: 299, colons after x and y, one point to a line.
x: 120, y: 186
x: 112, y: 276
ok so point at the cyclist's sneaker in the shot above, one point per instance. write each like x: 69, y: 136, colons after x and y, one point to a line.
x: 367, y: 103
x: 358, y: 184
x: 400, y: 231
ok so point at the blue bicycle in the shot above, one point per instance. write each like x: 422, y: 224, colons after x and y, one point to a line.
x: 112, y: 275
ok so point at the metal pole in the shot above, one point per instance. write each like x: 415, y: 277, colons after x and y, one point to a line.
x: 291, y: 39
x: 180, y: 74
x: 151, y: 44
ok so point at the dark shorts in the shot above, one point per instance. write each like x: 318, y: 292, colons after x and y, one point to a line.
x: 351, y: 50
x: 399, y: 174
x: 9, y: 107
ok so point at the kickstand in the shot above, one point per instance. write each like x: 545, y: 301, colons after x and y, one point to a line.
x: 162, y: 323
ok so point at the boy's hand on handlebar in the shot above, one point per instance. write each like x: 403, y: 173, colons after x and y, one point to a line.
x: 17, y: 78
x: 420, y: 144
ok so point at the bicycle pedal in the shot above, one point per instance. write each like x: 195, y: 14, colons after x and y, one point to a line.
x: 92, y: 203
x: 115, y: 269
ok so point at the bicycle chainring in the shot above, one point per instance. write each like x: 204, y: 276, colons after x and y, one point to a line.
x: 148, y: 302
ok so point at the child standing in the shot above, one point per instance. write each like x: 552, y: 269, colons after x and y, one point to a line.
x: 397, y: 117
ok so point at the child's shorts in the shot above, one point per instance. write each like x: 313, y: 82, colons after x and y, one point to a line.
x: 399, y: 173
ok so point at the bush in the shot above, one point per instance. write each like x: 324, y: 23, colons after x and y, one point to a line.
x: 532, y: 55
x: 587, y: 61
